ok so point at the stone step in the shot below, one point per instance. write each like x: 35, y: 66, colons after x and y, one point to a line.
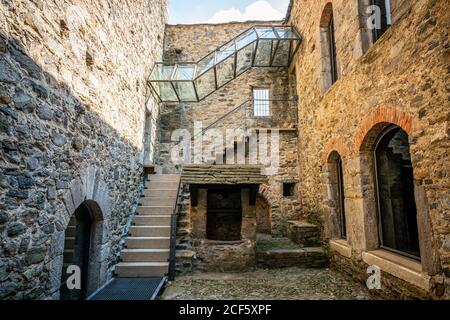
x: 71, y: 231
x: 150, y: 231
x: 147, y: 242
x: 151, y: 210
x: 164, y: 177
x: 157, y: 201
x: 144, y: 255
x: 141, y: 269
x: 311, y: 257
x: 68, y: 255
x: 153, y: 220
x: 69, y: 243
x: 304, y: 234
x: 161, y: 192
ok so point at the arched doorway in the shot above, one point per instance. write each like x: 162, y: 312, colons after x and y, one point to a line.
x: 397, y: 226
x: 263, y: 216
x: 336, y: 196
x: 81, y: 249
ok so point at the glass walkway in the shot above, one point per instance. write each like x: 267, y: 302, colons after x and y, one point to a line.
x: 264, y: 46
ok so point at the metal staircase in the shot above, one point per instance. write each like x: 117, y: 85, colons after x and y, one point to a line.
x: 259, y: 46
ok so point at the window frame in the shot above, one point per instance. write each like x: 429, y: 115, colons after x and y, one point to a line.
x: 381, y: 245
x: 263, y: 106
x: 386, y: 18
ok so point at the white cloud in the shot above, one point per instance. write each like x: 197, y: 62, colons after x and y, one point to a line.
x: 259, y: 10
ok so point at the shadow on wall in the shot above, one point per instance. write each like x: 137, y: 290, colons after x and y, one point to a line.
x: 56, y: 155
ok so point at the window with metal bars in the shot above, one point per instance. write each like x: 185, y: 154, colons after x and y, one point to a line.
x: 261, y: 102
x: 385, y: 18
x: 333, y: 55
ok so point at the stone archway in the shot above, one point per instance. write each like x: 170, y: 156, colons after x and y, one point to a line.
x: 272, y: 201
x: 89, y: 189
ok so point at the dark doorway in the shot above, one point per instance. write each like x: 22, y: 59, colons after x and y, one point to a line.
x: 77, y: 251
x: 341, y: 199
x: 396, y: 203
x: 224, y: 215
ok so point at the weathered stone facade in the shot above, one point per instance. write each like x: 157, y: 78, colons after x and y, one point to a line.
x: 78, y: 122
x: 188, y: 43
x: 72, y: 112
x: 401, y: 79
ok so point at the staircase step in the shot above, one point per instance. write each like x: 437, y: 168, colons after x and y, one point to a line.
x: 69, y: 243
x: 163, y: 178
x: 147, y: 242
x: 150, y: 231
x: 144, y: 255
x: 71, y: 231
x: 153, y: 220
x: 141, y: 269
x: 68, y: 255
x: 160, y: 192
x: 157, y: 201
x: 304, y: 234
x: 311, y: 257
x: 158, y: 210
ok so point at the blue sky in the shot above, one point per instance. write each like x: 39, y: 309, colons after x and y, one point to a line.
x: 215, y: 11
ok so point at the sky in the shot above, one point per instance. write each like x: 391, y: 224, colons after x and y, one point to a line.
x: 218, y: 11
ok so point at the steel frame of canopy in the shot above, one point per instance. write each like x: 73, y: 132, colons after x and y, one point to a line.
x: 210, y: 65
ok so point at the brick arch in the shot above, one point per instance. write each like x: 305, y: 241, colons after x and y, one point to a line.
x: 90, y: 189
x: 273, y: 199
x: 270, y: 196
x: 378, y: 121
x: 334, y: 144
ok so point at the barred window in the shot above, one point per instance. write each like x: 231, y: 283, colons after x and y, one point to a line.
x: 261, y: 102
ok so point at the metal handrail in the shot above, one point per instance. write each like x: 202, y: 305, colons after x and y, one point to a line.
x: 173, y: 236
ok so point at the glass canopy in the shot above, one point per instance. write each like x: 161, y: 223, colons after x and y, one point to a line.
x: 265, y: 46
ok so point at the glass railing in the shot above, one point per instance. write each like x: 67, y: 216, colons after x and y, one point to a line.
x: 267, y: 46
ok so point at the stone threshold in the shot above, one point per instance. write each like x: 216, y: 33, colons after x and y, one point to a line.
x: 399, y: 266
x: 341, y: 247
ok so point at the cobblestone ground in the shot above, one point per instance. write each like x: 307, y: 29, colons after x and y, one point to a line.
x: 280, y: 284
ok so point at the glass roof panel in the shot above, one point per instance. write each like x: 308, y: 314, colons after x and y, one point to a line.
x: 184, y: 72
x: 266, y: 33
x: 245, y: 39
x: 245, y: 58
x: 205, y: 84
x: 185, y: 91
x: 226, y: 51
x: 225, y: 71
x: 286, y: 33
x: 166, y: 92
x: 263, y: 53
x: 205, y: 64
x: 281, y: 58
x: 162, y: 72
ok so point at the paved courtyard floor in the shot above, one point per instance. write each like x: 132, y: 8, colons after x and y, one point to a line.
x: 280, y: 284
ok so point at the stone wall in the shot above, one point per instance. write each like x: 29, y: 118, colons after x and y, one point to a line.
x: 401, y: 79
x: 72, y: 111
x: 189, y: 43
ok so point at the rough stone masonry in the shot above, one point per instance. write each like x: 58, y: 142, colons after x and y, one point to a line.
x: 72, y: 111
x: 75, y: 113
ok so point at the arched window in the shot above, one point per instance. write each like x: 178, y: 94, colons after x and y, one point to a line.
x: 330, y: 72
x: 336, y: 196
x: 395, y: 192
x: 383, y: 20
